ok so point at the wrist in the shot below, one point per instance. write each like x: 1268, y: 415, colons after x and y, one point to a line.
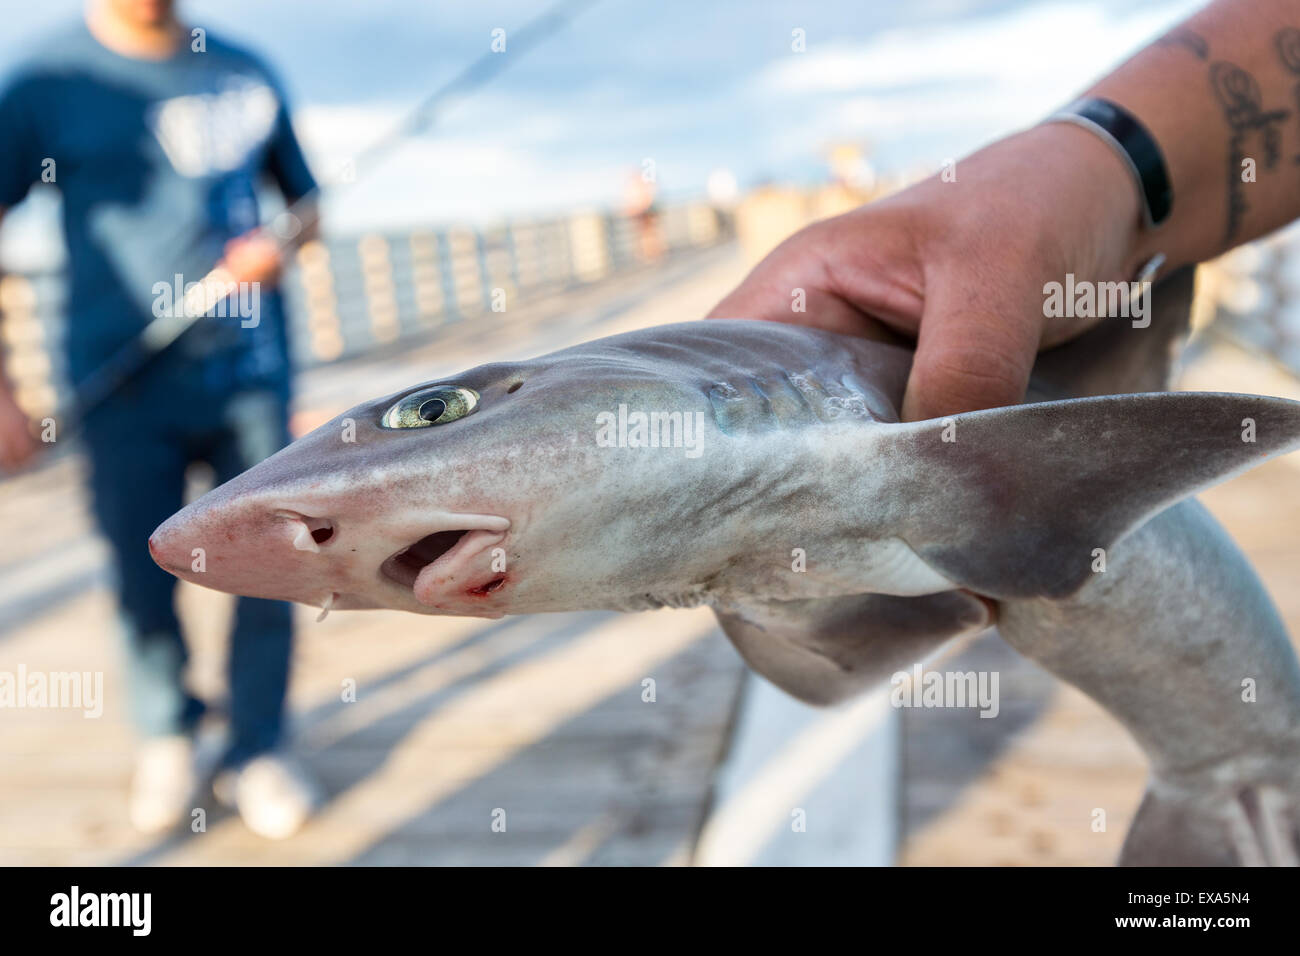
x: 1090, y: 196
x: 1145, y: 87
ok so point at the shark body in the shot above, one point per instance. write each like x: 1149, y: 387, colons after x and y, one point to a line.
x: 761, y: 469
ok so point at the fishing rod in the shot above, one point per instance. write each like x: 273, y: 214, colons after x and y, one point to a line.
x: 202, y: 297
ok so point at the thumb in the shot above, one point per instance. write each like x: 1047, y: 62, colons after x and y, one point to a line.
x: 970, y: 353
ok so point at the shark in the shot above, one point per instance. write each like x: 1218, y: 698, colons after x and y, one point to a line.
x: 761, y: 469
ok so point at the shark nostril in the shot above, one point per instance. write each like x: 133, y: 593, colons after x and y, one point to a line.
x: 308, y: 533
x: 513, y: 388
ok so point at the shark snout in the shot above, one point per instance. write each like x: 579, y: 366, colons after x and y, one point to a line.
x: 299, y: 550
x: 256, y: 546
x: 272, y: 552
x: 164, y: 549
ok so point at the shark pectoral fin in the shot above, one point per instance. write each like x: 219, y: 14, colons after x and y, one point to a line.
x: 826, y: 650
x: 1024, y: 501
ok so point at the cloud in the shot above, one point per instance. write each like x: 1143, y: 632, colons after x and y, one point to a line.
x: 1073, y: 40
x: 920, y: 94
x: 461, y: 178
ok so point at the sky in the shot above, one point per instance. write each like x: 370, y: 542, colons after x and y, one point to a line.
x: 691, y: 86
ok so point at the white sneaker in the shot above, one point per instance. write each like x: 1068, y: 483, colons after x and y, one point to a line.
x: 165, y: 784
x: 274, y: 795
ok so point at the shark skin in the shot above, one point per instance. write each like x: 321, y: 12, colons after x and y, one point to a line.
x: 911, y: 535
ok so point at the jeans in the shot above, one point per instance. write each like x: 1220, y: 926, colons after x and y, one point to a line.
x: 140, y: 444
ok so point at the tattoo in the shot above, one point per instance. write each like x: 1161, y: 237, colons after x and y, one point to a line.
x: 1188, y: 40
x: 1239, y: 95
x: 1288, y: 48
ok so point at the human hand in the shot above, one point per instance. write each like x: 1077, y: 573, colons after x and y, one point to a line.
x: 253, y: 258
x: 961, y: 265
x: 17, y: 443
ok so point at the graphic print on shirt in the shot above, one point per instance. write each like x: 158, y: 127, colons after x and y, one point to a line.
x: 209, y: 133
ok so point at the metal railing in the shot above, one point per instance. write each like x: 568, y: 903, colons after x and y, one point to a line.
x: 347, y: 296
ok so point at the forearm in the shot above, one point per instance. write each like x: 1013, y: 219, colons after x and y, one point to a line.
x: 1221, y: 95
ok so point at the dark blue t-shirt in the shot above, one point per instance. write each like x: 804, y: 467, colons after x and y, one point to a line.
x: 158, y: 163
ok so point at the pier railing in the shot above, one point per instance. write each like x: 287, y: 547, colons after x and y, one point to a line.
x: 347, y: 296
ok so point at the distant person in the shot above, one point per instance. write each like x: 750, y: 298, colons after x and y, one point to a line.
x: 639, y: 206
x: 1186, y: 150
x: 157, y: 138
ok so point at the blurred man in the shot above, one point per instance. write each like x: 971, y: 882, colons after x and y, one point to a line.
x: 157, y: 136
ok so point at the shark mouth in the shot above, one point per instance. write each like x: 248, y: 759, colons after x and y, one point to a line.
x: 405, y: 566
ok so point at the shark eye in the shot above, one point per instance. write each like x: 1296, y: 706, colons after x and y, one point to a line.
x: 431, y: 406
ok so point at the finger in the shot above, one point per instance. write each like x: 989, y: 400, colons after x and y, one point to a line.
x: 790, y: 288
x: 763, y: 294
x: 970, y: 354
x: 789, y: 302
x: 786, y: 285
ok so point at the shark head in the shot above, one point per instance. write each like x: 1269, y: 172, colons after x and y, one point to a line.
x: 476, y: 495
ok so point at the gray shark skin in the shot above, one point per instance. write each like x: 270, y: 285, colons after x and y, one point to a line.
x: 911, y: 535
